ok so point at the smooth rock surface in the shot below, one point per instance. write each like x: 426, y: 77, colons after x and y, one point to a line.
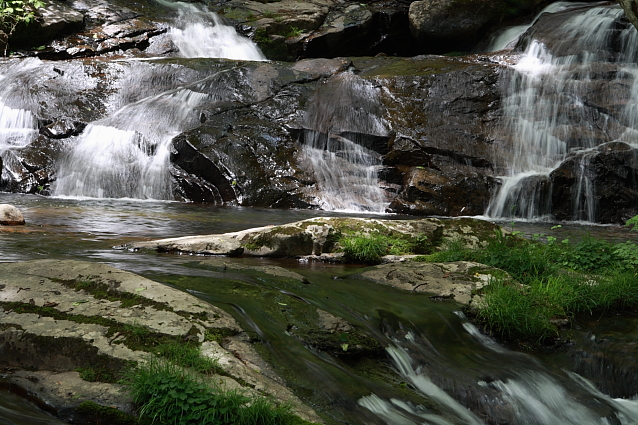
x: 10, y: 215
x: 46, y: 331
x: 460, y: 281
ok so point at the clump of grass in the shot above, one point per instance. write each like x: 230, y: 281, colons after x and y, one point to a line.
x: 188, y: 355
x: 633, y: 223
x: 170, y: 394
x: 364, y: 249
x: 370, y: 248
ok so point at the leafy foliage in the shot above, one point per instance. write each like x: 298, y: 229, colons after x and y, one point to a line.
x: 16, y: 12
x: 170, y: 393
x: 633, y: 223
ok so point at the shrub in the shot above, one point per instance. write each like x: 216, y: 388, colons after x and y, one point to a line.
x: 16, y: 12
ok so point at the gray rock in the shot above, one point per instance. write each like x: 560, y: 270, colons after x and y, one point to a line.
x: 460, y: 281
x: 317, y: 236
x: 10, y: 215
x: 49, y: 324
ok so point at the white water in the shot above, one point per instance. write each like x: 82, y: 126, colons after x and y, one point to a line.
x: 532, y: 395
x: 507, y: 37
x: 127, y: 154
x: 346, y: 172
x: 18, y: 126
x: 547, y: 118
x: 200, y: 33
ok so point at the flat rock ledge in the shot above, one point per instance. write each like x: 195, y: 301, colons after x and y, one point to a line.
x: 319, y: 236
x: 460, y: 281
x: 58, y: 316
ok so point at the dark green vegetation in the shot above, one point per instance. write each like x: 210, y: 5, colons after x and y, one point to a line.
x: 370, y: 248
x: 177, y: 388
x: 14, y: 13
x: 549, y: 282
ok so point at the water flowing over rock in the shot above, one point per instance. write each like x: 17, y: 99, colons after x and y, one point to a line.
x: 426, y: 135
x: 568, y: 97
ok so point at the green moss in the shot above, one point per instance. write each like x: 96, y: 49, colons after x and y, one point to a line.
x: 218, y: 334
x: 96, y: 374
x: 100, y: 290
x: 97, y: 414
x: 136, y: 337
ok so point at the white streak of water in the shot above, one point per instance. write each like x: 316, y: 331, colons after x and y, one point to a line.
x: 507, y: 37
x: 127, y: 154
x: 346, y: 172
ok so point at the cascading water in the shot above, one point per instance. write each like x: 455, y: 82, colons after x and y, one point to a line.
x: 339, y: 122
x: 200, y: 33
x: 507, y: 36
x: 549, y: 118
x: 528, y: 394
x: 18, y: 126
x: 126, y: 155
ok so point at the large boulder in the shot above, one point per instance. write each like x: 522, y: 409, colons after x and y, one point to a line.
x: 451, y: 25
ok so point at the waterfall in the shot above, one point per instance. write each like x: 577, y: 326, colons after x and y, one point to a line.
x: 548, y: 117
x: 127, y: 154
x: 508, y: 36
x: 342, y: 124
x: 18, y: 125
x: 200, y: 33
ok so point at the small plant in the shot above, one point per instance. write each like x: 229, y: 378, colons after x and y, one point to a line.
x: 627, y: 253
x: 16, y: 12
x: 170, y: 394
x: 633, y: 223
x: 188, y: 355
x: 364, y: 249
x: 293, y: 32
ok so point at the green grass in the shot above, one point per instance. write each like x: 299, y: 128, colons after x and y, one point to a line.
x: 549, y: 281
x: 369, y: 249
x: 176, y: 388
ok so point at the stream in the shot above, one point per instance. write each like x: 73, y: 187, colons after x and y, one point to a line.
x: 433, y: 366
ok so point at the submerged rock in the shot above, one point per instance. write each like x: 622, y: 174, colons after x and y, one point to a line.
x: 10, y: 215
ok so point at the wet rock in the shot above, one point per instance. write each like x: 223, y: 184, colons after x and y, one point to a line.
x: 58, y: 316
x: 612, y: 172
x: 10, y: 215
x: 459, y: 281
x: 287, y: 30
x: 448, y: 25
x: 631, y: 10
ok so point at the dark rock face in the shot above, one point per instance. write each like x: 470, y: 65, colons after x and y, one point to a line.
x: 447, y: 25
x: 612, y: 174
